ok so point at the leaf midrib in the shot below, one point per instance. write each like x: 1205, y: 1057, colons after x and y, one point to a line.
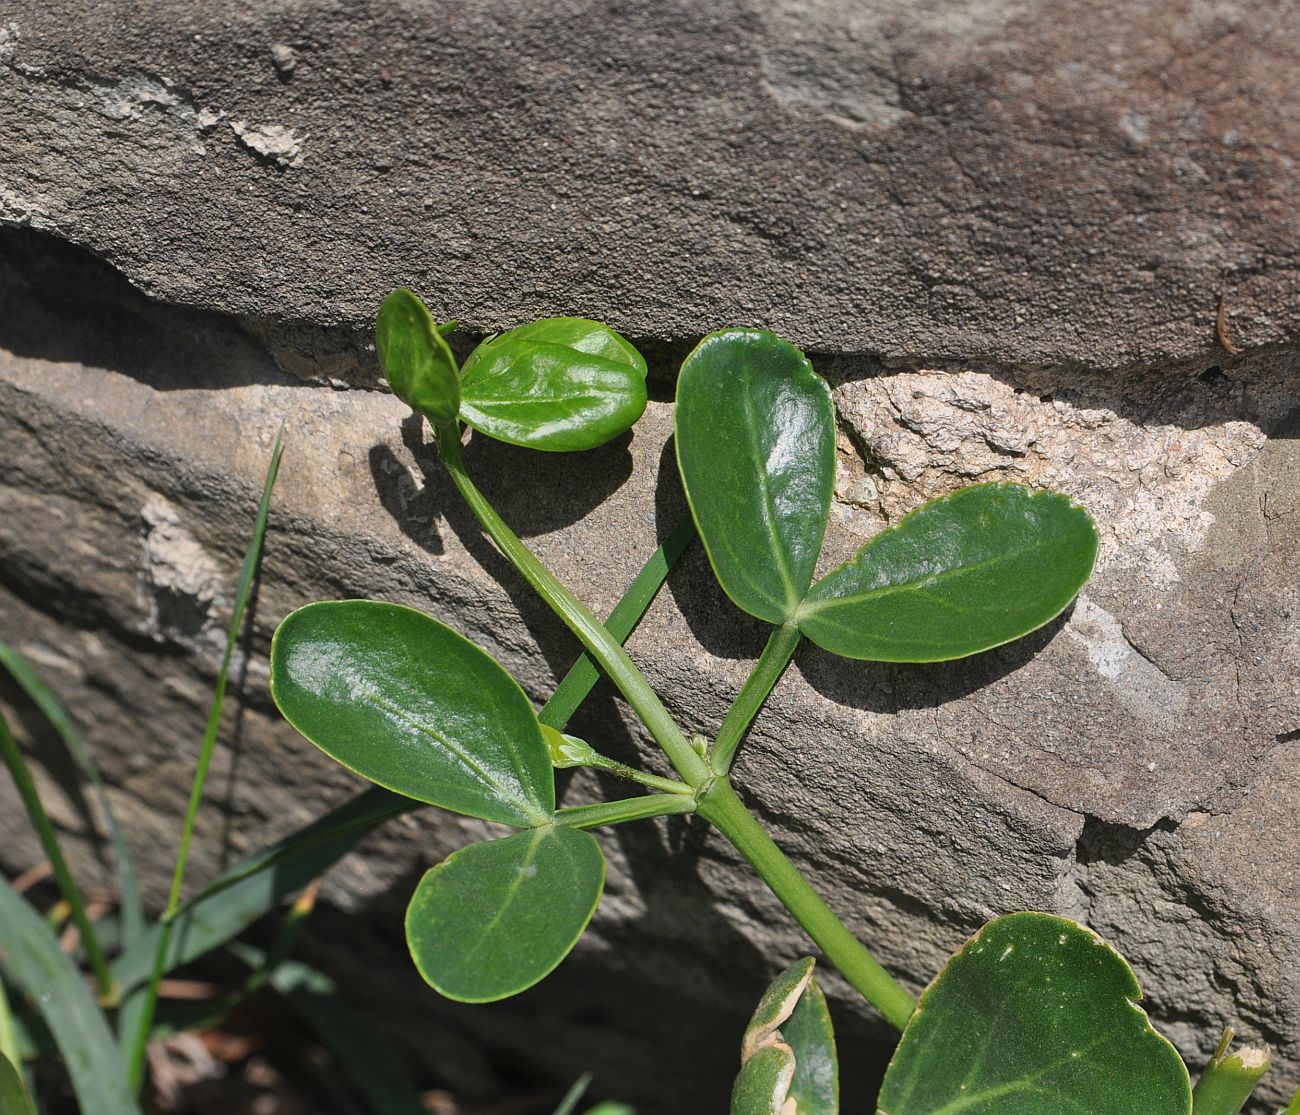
x: 815, y: 607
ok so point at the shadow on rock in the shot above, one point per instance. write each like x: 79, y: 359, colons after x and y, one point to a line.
x: 890, y: 687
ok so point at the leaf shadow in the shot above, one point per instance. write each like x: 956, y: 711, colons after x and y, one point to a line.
x: 892, y: 687
x: 717, y: 624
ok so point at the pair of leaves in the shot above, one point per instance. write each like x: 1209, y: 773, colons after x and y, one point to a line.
x: 1034, y: 1015
x: 560, y: 384
x: 756, y: 449
x: 413, y: 706
x: 788, y: 1060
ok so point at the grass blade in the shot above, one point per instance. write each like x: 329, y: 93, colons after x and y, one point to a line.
x: 22, y: 777
x: 33, y: 963
x: 374, y: 1066
x: 233, y: 902
x: 573, y: 1095
x: 57, y: 716
x: 135, y: 1069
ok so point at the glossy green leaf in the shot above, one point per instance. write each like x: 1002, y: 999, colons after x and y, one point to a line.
x: 1035, y: 1015
x: 959, y: 575
x: 32, y: 963
x: 763, y: 1082
x: 420, y: 367
x: 408, y: 703
x: 494, y: 918
x: 756, y: 449
x: 562, y: 384
x: 14, y: 1099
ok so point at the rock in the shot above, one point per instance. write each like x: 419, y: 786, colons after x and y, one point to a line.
x: 1029, y: 214
x: 1131, y: 765
x: 1026, y: 184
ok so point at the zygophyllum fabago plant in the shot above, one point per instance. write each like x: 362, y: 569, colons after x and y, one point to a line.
x: 1034, y: 1015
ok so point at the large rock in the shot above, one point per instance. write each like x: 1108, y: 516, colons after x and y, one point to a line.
x: 1025, y: 183
x: 1007, y: 185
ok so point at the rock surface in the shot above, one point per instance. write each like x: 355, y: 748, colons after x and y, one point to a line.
x: 993, y: 185
x: 1025, y: 183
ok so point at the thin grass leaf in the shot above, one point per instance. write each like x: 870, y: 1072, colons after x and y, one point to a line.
x: 573, y: 1095
x: 371, y: 1062
x: 252, y: 555
x: 33, y: 963
x: 227, y: 906
x: 8, y: 1035
x: 22, y: 777
x: 128, y: 886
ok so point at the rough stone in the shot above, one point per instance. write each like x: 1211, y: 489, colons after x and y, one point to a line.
x: 1023, y: 183
x: 1003, y: 229
x: 1130, y: 765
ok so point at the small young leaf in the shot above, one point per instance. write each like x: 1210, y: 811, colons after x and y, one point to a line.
x: 959, y: 575
x: 1035, y: 1015
x: 756, y: 449
x: 494, y: 918
x: 562, y: 384
x: 567, y: 751
x: 408, y: 703
x: 420, y: 367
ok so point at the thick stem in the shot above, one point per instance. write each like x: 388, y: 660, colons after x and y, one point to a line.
x: 767, y: 672
x: 602, y: 646
x: 629, y: 809
x: 721, y: 807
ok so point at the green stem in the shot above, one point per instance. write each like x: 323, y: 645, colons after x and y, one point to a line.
x: 629, y: 809
x: 67, y: 886
x: 767, y: 672
x: 603, y: 647
x: 721, y: 807
x: 1229, y: 1079
x: 597, y: 761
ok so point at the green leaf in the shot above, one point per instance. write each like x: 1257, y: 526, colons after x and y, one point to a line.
x: 959, y: 575
x: 763, y: 1082
x: 1035, y: 1015
x: 562, y: 384
x: 420, y: 367
x: 816, y: 1084
x: 494, y: 918
x: 792, y: 1017
x: 33, y: 963
x: 756, y: 449
x: 408, y: 703
x: 14, y: 1099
